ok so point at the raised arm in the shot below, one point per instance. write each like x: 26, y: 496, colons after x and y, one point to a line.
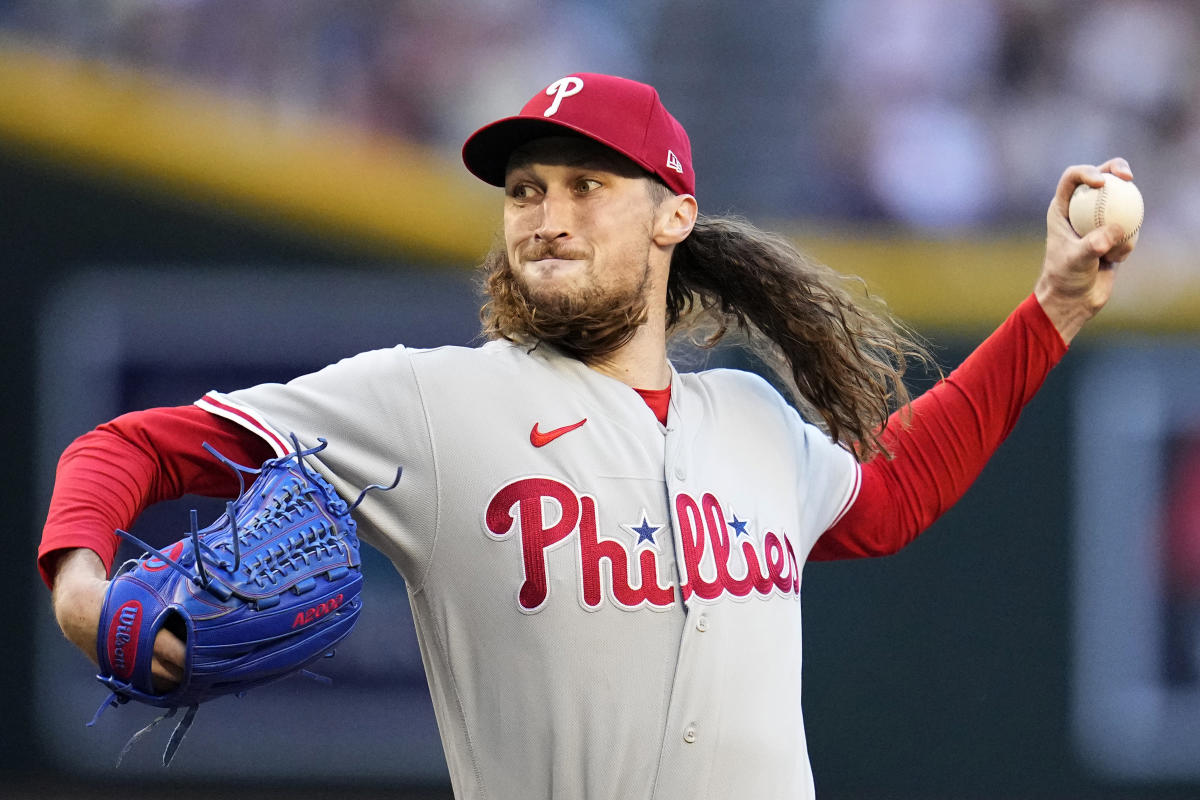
x: 958, y: 424
x: 1078, y: 272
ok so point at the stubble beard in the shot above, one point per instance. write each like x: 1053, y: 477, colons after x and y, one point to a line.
x: 588, y: 323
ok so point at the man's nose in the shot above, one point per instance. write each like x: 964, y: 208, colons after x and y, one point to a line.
x: 555, y: 222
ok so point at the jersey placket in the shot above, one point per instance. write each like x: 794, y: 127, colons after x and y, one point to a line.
x: 693, y: 711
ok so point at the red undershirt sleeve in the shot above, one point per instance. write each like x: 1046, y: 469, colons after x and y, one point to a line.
x: 108, y: 476
x: 955, y: 428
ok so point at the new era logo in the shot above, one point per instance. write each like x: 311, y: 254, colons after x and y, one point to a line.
x: 673, y: 162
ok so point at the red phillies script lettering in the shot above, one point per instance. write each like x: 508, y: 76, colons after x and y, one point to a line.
x: 316, y: 612
x: 522, y: 505
x: 547, y: 513
x: 593, y: 550
x: 529, y: 497
x: 123, y: 638
x: 715, y: 565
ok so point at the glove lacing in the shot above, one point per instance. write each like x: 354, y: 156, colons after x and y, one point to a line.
x: 268, y: 568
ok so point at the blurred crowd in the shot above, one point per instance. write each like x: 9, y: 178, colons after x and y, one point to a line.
x: 937, y: 115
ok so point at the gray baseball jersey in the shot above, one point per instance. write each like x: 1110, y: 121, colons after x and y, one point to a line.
x: 607, y: 607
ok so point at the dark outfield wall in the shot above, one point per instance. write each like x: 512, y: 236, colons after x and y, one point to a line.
x: 941, y: 672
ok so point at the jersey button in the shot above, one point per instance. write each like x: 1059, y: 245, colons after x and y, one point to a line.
x: 702, y: 623
x: 681, y: 472
x: 689, y: 735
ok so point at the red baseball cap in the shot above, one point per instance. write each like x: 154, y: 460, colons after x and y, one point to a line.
x: 622, y: 114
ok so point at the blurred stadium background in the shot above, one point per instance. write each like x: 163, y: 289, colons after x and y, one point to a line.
x: 185, y: 183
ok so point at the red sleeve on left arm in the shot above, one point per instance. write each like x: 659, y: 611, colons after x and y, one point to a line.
x: 107, y: 476
x: 955, y: 428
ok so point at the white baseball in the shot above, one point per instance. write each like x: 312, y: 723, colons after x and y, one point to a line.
x: 1117, y: 201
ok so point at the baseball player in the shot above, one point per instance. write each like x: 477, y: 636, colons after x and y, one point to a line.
x: 604, y: 554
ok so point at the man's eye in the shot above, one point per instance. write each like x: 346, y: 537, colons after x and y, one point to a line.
x: 520, y: 191
x: 586, y: 185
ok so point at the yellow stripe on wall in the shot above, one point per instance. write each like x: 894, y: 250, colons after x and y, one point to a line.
x: 949, y: 283
x: 337, y: 180
x: 209, y: 146
x: 972, y: 284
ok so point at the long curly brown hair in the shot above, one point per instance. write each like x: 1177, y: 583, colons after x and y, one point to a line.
x: 839, y: 354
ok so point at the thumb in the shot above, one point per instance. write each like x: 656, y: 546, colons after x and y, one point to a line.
x: 170, y: 660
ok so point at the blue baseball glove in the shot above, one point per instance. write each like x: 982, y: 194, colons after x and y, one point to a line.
x: 257, y: 596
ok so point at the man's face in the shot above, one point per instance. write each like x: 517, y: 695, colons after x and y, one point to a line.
x: 578, y: 219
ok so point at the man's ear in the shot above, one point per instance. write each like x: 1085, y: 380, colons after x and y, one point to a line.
x: 675, y: 219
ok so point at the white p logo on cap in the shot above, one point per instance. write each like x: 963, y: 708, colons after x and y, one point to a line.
x: 563, y: 87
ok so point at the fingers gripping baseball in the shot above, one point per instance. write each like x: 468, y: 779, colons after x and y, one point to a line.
x: 1077, y: 273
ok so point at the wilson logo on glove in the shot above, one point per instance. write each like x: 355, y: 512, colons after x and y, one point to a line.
x: 122, y: 644
x: 257, y: 596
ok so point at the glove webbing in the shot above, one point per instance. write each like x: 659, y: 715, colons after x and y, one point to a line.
x: 201, y: 578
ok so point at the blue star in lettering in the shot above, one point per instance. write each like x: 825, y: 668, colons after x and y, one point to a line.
x: 644, y: 532
x: 739, y: 526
